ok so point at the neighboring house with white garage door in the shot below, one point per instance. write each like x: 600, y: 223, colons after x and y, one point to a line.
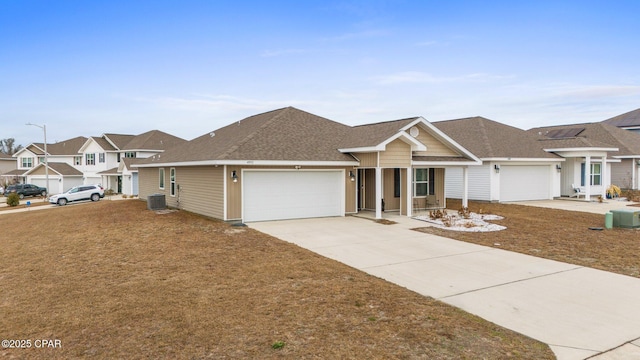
x: 61, y: 156
x: 107, y: 159
x: 62, y: 177
x: 288, y: 163
x: 586, y: 147
x: 514, y: 165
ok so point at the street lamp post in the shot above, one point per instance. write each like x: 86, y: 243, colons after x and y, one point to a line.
x: 46, y: 154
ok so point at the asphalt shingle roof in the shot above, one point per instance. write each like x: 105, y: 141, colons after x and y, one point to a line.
x: 631, y: 118
x: 490, y: 139
x: 594, y: 135
x: 286, y: 134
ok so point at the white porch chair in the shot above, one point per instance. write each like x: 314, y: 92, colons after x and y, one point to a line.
x: 578, y: 191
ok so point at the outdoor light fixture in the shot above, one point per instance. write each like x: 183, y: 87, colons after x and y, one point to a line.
x: 497, y: 168
x: 234, y: 176
x: 558, y: 167
x: 352, y: 176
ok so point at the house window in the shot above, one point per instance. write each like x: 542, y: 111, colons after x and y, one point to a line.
x: 27, y: 162
x: 41, y: 160
x: 77, y: 160
x: 90, y: 159
x: 101, y: 157
x: 118, y: 157
x: 130, y: 154
x: 424, y: 182
x: 420, y: 182
x: 172, y: 182
x: 596, y: 174
x: 161, y: 175
x: 396, y: 182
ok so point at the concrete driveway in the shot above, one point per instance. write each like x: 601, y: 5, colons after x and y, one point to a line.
x: 580, y: 312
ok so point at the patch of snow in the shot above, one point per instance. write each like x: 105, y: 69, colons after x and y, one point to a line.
x: 475, y: 223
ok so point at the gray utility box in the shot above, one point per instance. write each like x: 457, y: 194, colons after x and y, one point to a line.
x: 156, y: 202
x: 626, y: 218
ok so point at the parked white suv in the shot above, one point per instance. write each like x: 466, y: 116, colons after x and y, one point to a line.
x: 82, y: 192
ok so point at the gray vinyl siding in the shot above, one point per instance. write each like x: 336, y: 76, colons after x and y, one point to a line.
x: 621, y: 173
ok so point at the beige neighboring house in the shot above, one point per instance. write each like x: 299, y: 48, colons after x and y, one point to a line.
x: 62, y: 177
x: 288, y: 163
x: 514, y: 165
x: 627, y: 121
x: 7, y: 166
x: 107, y: 159
x: 586, y: 147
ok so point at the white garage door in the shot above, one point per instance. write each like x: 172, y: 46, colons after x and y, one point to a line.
x: 518, y: 183
x: 278, y: 195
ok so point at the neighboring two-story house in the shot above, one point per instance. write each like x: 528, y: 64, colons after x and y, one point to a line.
x: 104, y: 160
x: 62, y: 157
x: 107, y: 159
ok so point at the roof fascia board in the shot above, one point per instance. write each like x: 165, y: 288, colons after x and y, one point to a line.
x: 250, y: 162
x: 15, y: 155
x: 510, y: 159
x: 415, y: 144
x: 441, y: 135
x: 104, y: 136
x: 445, y: 163
x: 28, y: 172
x: 581, y: 149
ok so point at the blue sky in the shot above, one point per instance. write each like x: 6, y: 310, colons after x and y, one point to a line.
x: 189, y: 67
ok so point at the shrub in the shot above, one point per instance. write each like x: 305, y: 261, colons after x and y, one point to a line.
x: 13, y: 199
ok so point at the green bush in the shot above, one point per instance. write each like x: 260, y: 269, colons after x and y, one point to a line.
x: 13, y: 199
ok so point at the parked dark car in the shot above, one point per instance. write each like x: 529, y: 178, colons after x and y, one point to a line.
x: 25, y: 190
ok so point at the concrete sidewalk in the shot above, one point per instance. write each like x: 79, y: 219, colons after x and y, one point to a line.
x: 580, y: 205
x: 580, y: 312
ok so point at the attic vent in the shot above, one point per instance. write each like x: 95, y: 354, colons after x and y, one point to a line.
x: 564, y: 133
x: 414, y: 131
x: 212, y: 134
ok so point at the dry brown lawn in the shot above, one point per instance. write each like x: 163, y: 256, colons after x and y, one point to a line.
x: 555, y: 234
x: 114, y: 280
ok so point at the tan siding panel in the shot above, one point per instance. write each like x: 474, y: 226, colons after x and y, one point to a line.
x: 391, y: 202
x: 368, y: 159
x: 397, y: 154
x: 200, y: 188
x: 434, y: 146
x: 621, y: 173
x: 439, y: 187
x: 370, y: 189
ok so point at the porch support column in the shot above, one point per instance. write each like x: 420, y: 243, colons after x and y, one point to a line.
x: 378, y: 193
x: 587, y: 178
x: 465, y: 186
x: 409, y: 192
x: 603, y: 177
x: 634, y: 174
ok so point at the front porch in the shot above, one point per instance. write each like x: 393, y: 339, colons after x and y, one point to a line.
x: 381, y: 191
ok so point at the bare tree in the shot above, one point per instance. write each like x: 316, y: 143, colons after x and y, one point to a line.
x: 8, y: 146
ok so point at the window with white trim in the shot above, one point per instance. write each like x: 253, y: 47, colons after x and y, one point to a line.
x: 161, y: 178
x: 420, y: 182
x: 90, y: 159
x: 172, y: 182
x: 27, y: 162
x: 101, y: 158
x: 596, y: 174
x: 77, y: 160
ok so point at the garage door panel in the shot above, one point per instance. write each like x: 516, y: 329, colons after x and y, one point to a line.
x: 519, y: 183
x: 292, y: 194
